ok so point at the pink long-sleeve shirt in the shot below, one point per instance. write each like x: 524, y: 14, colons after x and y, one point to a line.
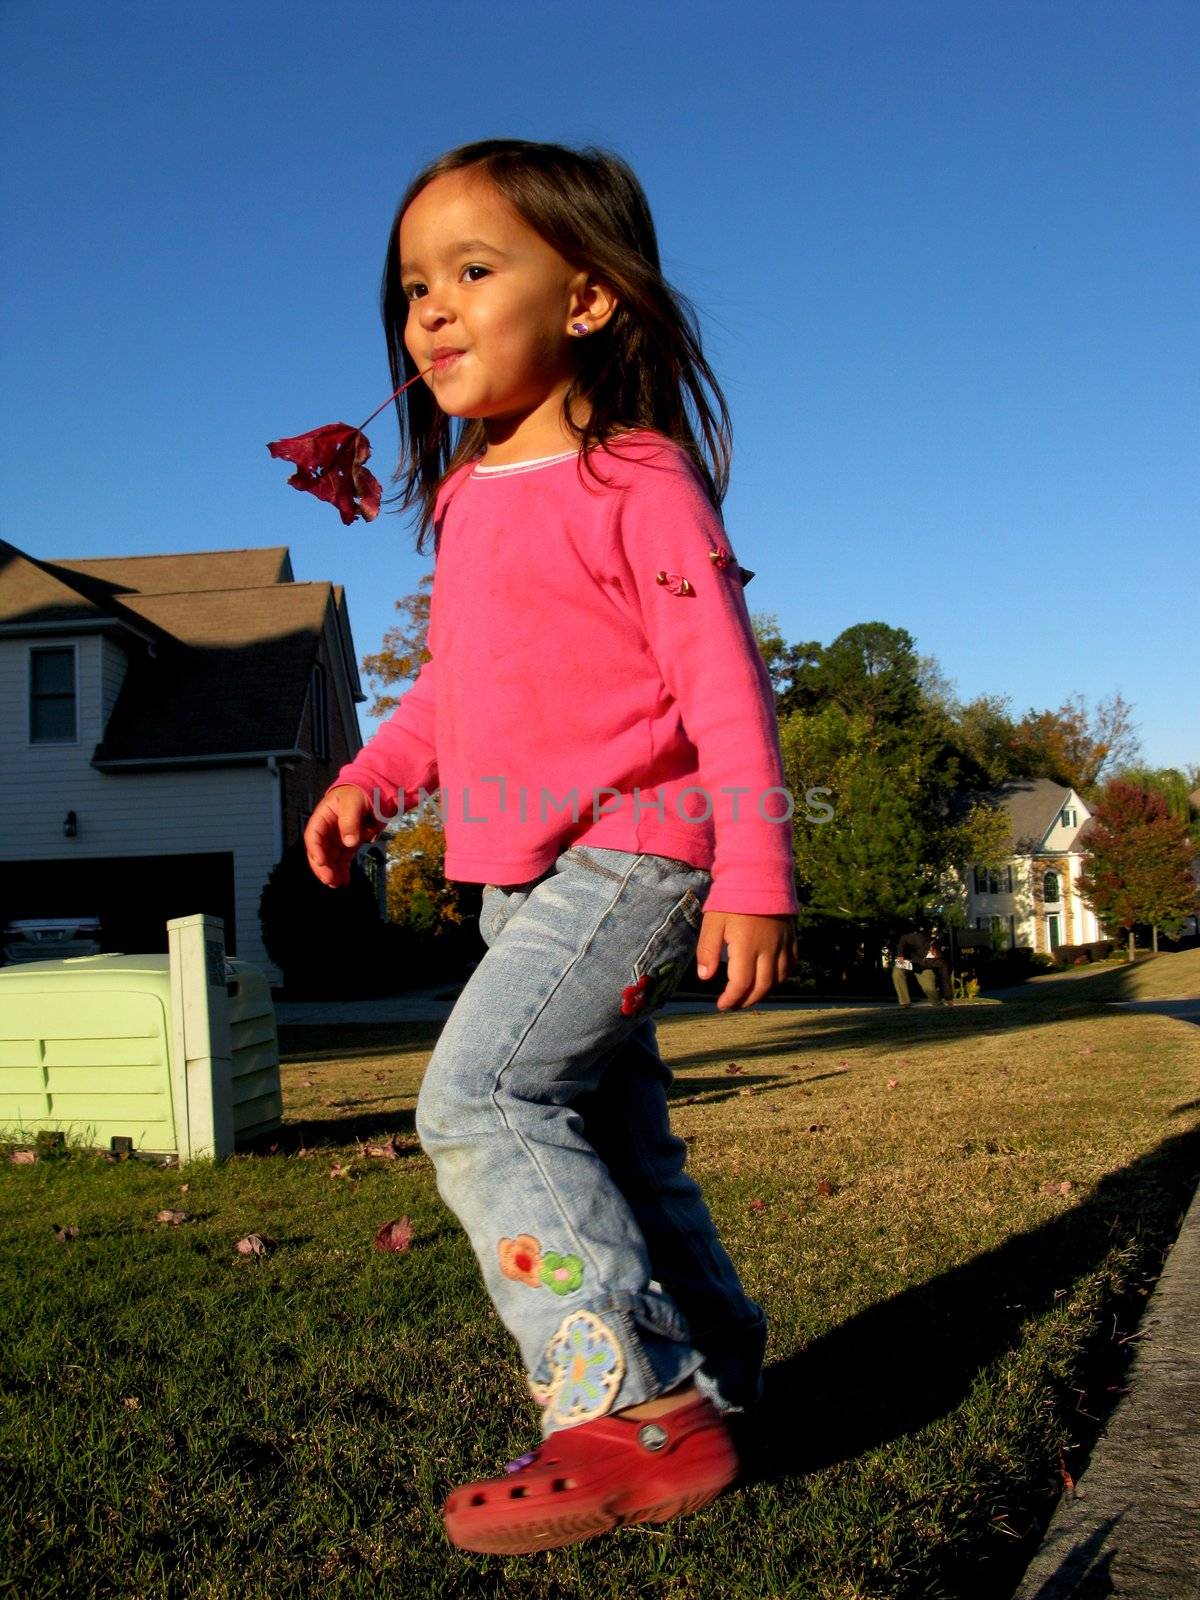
x: 574, y: 696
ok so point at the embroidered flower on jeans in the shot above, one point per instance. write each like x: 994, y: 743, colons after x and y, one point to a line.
x: 633, y: 996
x: 561, y: 1273
x: 588, y: 1363
x: 645, y: 994
x: 521, y: 1259
x: 674, y: 583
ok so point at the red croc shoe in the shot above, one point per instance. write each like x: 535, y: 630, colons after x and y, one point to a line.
x: 599, y: 1475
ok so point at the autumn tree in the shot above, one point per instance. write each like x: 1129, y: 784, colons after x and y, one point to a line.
x: 418, y: 895
x: 1137, y: 863
x: 1174, y: 786
x: 1077, y: 744
x: 405, y: 649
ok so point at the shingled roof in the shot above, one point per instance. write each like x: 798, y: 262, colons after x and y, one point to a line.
x: 1032, y: 805
x: 223, y: 648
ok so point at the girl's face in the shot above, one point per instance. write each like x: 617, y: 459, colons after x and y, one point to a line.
x: 490, y: 305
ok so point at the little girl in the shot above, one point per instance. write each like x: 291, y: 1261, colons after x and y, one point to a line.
x: 599, y: 721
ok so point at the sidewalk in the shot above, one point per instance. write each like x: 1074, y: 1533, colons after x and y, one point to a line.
x: 421, y: 1005
x: 1132, y: 1529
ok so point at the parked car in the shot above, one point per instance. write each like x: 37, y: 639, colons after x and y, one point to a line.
x: 51, y: 938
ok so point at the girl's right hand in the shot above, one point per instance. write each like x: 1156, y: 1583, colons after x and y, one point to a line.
x: 341, y: 824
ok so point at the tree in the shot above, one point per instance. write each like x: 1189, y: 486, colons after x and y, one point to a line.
x: 790, y: 667
x: 418, y: 894
x: 405, y: 649
x: 984, y: 737
x: 871, y: 671
x: 880, y: 858
x: 1075, y: 745
x: 1169, y: 782
x: 1137, y: 863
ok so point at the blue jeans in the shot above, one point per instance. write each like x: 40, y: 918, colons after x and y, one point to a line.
x: 544, y: 1110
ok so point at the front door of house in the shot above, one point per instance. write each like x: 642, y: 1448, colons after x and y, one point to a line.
x: 1053, y: 936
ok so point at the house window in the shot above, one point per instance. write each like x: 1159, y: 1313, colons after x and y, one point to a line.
x: 319, y: 699
x: 52, y: 697
x: 1068, y: 816
x: 1050, y: 890
x: 988, y: 882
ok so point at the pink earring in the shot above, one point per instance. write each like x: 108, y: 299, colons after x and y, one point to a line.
x: 580, y: 328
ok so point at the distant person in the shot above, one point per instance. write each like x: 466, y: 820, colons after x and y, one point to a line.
x: 920, y: 953
x: 568, y: 450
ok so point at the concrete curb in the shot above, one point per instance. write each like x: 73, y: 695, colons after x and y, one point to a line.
x: 1132, y: 1528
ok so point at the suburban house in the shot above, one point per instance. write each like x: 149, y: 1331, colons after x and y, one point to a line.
x: 1034, y: 898
x: 167, y: 724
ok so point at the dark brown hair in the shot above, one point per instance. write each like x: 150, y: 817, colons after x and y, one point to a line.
x: 644, y: 369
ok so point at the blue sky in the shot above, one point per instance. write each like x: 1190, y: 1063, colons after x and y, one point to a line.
x: 944, y: 254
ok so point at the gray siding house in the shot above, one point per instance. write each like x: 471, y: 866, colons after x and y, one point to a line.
x: 167, y: 724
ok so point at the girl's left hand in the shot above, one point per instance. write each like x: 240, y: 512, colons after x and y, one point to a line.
x: 762, y: 953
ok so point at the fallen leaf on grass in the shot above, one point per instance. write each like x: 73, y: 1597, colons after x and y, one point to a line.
x: 394, y: 1235
x: 23, y: 1158
x: 1068, y: 1481
x: 184, y: 1187
x: 733, y: 1067
x: 65, y: 1235
x: 306, y: 1083
x: 131, y: 1403
x: 756, y: 1205
x: 817, y: 1127
x: 746, y: 1091
x: 387, y: 1152
x: 826, y: 1187
x: 255, y: 1244
x: 1057, y: 1188
x: 173, y: 1217
x: 892, y: 1083
x: 337, y: 1170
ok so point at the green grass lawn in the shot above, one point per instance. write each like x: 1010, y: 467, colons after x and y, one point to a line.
x: 951, y: 1218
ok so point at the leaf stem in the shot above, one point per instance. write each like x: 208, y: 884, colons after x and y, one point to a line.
x: 407, y: 384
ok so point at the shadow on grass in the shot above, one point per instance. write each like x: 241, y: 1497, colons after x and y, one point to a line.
x: 812, y: 1033
x: 310, y: 1043
x: 909, y: 1360
x: 318, y: 1133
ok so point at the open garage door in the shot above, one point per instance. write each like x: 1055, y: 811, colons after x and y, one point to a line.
x: 132, y: 895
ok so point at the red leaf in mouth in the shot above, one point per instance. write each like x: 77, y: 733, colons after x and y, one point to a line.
x: 329, y: 463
